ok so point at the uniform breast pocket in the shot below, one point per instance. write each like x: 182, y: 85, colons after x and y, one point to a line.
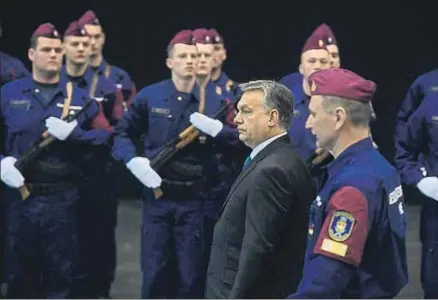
x: 160, y: 126
x: 22, y: 130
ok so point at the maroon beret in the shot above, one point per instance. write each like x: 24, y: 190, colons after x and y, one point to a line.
x: 201, y: 36
x: 328, y: 35
x: 89, y: 18
x: 182, y: 37
x: 342, y: 83
x: 315, y: 41
x: 215, y: 37
x: 75, y: 29
x: 46, y: 30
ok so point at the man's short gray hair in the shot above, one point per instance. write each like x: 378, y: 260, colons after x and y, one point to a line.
x: 359, y: 113
x: 276, y: 96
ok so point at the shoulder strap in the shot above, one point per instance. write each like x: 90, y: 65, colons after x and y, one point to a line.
x: 93, y: 84
x: 107, y: 71
x: 67, y: 100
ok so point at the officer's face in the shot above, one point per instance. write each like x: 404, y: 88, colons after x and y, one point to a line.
x: 219, y: 56
x: 97, y: 38
x: 205, y: 59
x: 77, y: 49
x: 252, y: 119
x: 182, y: 60
x: 314, y: 60
x: 335, y: 60
x: 322, y: 124
x: 47, y: 56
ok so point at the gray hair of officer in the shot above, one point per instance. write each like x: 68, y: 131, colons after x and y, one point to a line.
x: 276, y: 96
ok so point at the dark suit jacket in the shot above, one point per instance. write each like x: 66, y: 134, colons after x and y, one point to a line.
x: 260, y: 236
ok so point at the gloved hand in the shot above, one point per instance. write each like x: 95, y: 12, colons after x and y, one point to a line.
x: 429, y: 187
x: 9, y: 173
x: 206, y: 124
x: 59, y: 128
x: 141, y: 168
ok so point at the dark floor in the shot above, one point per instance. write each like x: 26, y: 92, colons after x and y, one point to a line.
x: 127, y: 284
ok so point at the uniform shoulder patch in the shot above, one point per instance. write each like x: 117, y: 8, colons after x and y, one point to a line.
x: 341, y: 226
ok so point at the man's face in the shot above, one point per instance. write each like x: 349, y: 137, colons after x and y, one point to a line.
x: 335, y: 59
x: 97, y: 38
x: 183, y: 60
x: 219, y: 55
x: 252, y: 118
x: 47, y: 56
x: 205, y: 59
x: 321, y: 124
x: 314, y: 60
x: 77, y: 49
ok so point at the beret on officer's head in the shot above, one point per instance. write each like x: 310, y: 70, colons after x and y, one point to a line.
x: 341, y: 83
x: 201, y: 36
x: 215, y: 37
x: 327, y: 34
x: 88, y: 18
x: 47, y: 30
x: 183, y: 37
x: 315, y: 41
x: 75, y: 29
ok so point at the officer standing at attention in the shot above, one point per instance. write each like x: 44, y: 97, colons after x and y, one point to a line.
x: 417, y: 161
x: 329, y: 39
x: 97, y: 62
x: 97, y: 203
x: 41, y: 243
x: 357, y: 225
x: 172, y: 224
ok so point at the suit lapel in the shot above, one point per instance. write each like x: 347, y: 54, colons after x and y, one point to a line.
x: 282, y: 141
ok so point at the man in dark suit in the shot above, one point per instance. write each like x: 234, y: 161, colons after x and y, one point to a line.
x: 260, y: 236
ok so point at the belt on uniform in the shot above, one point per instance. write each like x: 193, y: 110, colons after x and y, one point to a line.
x: 39, y: 189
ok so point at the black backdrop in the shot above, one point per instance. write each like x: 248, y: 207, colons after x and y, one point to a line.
x: 386, y: 41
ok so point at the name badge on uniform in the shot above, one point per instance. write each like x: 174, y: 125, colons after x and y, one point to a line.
x: 296, y: 113
x: 433, y: 89
x: 160, y: 111
x: 20, y: 104
x: 435, y: 119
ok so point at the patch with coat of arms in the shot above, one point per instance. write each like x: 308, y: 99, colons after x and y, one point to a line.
x: 341, y: 226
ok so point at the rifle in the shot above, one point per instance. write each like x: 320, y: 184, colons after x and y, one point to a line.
x: 42, y: 143
x: 173, y: 146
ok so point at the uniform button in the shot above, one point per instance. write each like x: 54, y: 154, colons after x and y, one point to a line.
x: 179, y: 98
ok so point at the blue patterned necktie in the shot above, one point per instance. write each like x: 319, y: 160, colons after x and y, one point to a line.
x: 246, y: 163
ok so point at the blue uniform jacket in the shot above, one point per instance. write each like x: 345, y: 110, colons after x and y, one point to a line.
x: 357, y: 228
x: 420, y: 140
x: 22, y: 116
x: 11, y: 68
x: 158, y: 112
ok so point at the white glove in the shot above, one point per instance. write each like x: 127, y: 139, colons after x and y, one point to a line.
x: 59, y: 128
x: 141, y: 168
x: 429, y: 187
x: 9, y: 173
x: 206, y: 124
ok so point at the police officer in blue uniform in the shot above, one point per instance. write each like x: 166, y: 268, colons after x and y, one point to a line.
x: 314, y: 57
x: 218, y: 76
x: 416, y: 158
x: 116, y: 74
x: 11, y: 68
x: 329, y: 40
x: 357, y: 226
x: 41, y: 243
x: 97, y: 202
x: 172, y: 224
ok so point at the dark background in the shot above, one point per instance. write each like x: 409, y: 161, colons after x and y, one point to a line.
x: 386, y: 41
